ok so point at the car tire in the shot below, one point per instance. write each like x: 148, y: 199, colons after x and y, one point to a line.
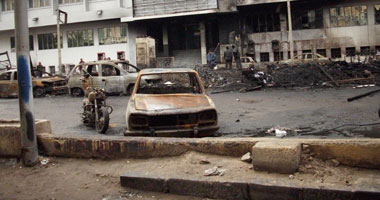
x: 39, y: 92
x: 76, y: 92
x: 130, y: 89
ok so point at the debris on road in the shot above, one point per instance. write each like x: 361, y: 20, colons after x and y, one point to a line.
x: 278, y: 131
x: 215, y: 171
x: 247, y: 157
x: 204, y: 162
x: 363, y: 95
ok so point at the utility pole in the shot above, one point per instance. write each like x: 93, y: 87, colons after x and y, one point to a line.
x: 59, y: 37
x: 29, y: 150
x: 290, y: 35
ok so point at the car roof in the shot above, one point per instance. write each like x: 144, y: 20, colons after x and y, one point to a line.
x: 166, y: 70
x: 104, y: 62
x: 11, y: 70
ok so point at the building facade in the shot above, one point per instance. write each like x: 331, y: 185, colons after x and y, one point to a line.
x: 186, y: 29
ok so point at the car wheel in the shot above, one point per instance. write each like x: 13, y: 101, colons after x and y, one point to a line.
x: 39, y: 92
x: 76, y: 92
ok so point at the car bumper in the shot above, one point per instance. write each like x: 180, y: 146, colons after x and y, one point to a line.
x: 185, y: 132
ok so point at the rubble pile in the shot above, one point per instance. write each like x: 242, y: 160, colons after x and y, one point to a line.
x: 221, y: 78
x: 301, y: 75
x: 311, y: 74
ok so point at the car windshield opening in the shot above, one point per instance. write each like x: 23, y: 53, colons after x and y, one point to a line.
x: 169, y: 83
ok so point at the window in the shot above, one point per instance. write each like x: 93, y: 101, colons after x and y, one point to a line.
x: 7, y: 5
x: 80, y: 38
x: 377, y: 14
x: 38, y: 3
x: 48, y: 41
x: 278, y: 56
x: 109, y: 70
x: 264, y: 22
x: 336, y: 53
x: 69, y: 1
x: 52, y: 69
x: 365, y: 51
x: 112, y: 35
x: 5, y: 76
x: 13, y: 43
x: 350, y: 51
x: 307, y: 19
x: 264, y: 57
x: 306, y: 51
x: 348, y: 16
x: 322, y: 52
x: 377, y: 48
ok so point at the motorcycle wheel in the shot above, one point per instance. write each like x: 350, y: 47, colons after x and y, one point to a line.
x: 103, y: 121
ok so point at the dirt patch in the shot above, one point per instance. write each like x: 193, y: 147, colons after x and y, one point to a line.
x: 98, y: 179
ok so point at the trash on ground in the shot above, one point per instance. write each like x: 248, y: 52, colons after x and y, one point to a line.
x: 215, y: 171
x: 247, y: 157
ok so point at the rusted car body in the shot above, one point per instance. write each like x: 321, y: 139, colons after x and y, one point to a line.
x: 170, y: 102
x: 41, y: 86
x: 115, y: 76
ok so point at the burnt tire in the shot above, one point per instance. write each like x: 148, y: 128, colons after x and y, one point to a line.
x: 76, y: 92
x: 104, y: 119
x: 39, y: 92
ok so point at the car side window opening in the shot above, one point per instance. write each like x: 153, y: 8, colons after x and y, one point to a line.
x: 5, y: 76
x: 169, y: 83
x: 15, y: 76
x: 109, y: 70
x: 78, y: 70
x: 92, y: 70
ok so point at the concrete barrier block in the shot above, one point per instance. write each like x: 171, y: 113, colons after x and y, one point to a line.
x: 10, y: 142
x: 276, y: 156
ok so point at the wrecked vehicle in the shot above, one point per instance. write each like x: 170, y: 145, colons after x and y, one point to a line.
x: 119, y: 75
x: 306, y: 57
x: 47, y: 84
x: 170, y: 102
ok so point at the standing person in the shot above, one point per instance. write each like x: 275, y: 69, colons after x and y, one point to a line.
x: 81, y: 61
x: 40, y: 70
x: 228, y: 58
x: 211, y: 58
x: 236, y: 53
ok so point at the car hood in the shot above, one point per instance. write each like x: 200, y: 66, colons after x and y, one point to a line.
x: 171, y: 102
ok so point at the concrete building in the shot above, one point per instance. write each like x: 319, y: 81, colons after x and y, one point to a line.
x: 185, y: 29
x: 93, y: 28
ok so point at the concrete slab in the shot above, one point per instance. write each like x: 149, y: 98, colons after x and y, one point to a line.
x: 276, y: 156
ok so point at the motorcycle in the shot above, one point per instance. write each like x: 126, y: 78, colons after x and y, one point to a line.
x: 95, y: 109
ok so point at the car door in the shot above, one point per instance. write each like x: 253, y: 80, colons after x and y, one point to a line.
x: 114, y: 83
x: 95, y: 79
x: 5, y: 80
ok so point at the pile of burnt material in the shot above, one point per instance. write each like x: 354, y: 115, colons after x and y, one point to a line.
x: 332, y: 74
x: 222, y: 78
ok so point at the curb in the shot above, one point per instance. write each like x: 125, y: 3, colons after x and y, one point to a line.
x: 256, y: 189
x: 349, y: 152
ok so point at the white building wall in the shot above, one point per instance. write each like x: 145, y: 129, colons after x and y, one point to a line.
x: 80, y: 16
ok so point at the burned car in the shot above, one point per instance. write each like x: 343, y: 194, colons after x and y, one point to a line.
x: 170, y: 102
x: 47, y: 84
x: 117, y: 77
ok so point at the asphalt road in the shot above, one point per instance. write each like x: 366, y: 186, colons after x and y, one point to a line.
x: 240, y: 114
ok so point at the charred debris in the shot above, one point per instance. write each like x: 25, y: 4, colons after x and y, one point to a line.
x: 305, y: 75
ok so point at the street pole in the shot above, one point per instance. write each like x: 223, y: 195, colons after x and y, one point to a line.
x: 59, y: 37
x: 29, y: 150
x: 291, y: 43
